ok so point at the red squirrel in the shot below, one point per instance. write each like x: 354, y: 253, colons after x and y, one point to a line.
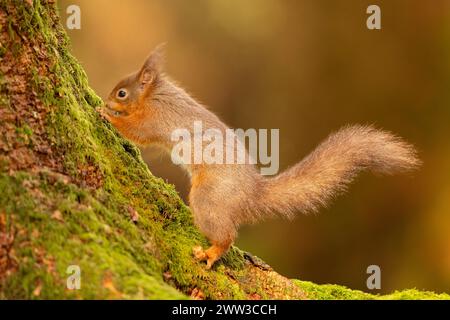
x: 147, y: 106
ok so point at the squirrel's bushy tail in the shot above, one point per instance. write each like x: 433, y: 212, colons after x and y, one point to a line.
x: 329, y: 169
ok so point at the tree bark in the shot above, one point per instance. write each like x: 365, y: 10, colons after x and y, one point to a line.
x: 75, y: 193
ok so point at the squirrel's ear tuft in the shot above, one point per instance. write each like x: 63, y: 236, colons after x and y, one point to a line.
x: 153, y: 65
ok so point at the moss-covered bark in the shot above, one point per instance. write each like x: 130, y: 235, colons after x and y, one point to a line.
x: 73, y: 192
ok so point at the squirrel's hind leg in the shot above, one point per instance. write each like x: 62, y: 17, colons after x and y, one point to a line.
x: 219, y: 227
x: 213, y: 253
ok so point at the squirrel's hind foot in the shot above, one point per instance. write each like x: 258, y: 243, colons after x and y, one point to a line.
x: 211, y: 255
x: 199, y: 253
x: 202, y: 255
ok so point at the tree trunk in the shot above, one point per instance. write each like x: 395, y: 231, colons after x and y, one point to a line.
x: 75, y: 196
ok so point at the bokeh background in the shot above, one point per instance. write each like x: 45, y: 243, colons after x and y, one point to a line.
x: 308, y: 67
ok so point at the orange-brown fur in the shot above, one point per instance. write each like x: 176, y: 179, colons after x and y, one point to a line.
x: 223, y: 197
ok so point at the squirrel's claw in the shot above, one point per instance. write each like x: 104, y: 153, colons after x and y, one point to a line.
x: 209, y: 263
x: 103, y: 114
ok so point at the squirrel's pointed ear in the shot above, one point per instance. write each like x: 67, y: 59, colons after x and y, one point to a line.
x: 153, y: 65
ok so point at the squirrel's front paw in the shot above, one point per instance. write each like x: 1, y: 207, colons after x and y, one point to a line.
x: 103, y: 114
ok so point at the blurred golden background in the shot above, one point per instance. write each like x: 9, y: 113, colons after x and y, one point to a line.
x: 308, y: 68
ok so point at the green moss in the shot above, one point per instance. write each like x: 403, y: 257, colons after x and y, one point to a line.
x: 87, y: 234
x: 2, y: 50
x: 331, y: 292
x: 25, y: 129
x: 336, y: 292
x: 413, y: 294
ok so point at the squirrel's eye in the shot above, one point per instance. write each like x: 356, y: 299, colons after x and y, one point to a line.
x: 122, y: 94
